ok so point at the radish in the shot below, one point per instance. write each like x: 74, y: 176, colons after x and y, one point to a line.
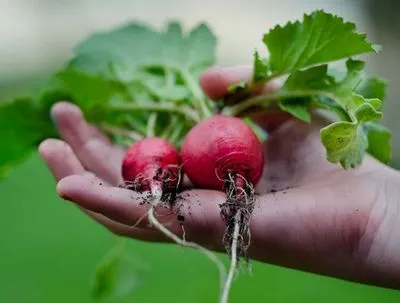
x: 223, y: 153
x: 218, y: 146
x: 153, y: 164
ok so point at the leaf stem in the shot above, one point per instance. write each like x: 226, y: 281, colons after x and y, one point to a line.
x: 267, y: 99
x: 176, y: 132
x: 135, y: 123
x: 120, y: 131
x: 183, y: 110
x: 170, y: 127
x: 199, y: 97
x: 151, y: 125
x: 170, y: 78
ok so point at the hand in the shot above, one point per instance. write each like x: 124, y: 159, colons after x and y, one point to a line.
x: 310, y: 215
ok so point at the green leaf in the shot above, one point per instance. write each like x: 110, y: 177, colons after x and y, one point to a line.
x: 352, y: 103
x: 309, y: 79
x: 118, y: 52
x: 343, y: 89
x: 366, y: 113
x: 346, y: 86
x: 136, y: 53
x: 375, y: 103
x: 26, y: 121
x: 345, y: 143
x: 260, y: 68
x: 116, y: 274
x: 372, y: 87
x: 325, y: 103
x: 87, y: 91
x: 316, y: 81
x: 23, y: 126
x: 379, y: 141
x: 199, y: 47
x: 106, y: 276
x: 303, y: 50
x: 330, y: 92
x: 299, y: 108
x: 320, y: 38
x: 124, y: 51
x: 162, y: 90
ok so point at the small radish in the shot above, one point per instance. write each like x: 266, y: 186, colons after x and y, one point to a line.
x: 153, y: 164
x: 223, y: 153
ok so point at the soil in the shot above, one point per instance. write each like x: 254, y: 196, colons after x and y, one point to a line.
x: 163, y: 176
x: 240, y: 198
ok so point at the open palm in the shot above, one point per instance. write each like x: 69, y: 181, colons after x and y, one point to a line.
x: 309, y: 215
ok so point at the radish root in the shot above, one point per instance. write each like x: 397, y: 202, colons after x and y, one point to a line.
x: 157, y: 194
x: 234, y: 260
x: 236, y: 212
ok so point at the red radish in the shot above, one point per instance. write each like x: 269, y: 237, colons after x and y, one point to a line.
x: 220, y: 145
x: 152, y: 164
x: 223, y: 153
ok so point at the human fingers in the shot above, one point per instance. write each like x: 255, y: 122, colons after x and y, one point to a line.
x: 195, y: 215
x: 216, y: 80
x: 60, y: 158
x: 92, y: 148
x: 62, y: 162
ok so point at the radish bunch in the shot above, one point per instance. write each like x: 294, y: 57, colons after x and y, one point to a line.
x: 219, y: 153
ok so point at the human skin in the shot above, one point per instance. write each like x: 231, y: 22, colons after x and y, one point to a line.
x: 310, y: 214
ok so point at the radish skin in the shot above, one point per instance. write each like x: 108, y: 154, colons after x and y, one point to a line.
x: 152, y: 164
x: 219, y: 145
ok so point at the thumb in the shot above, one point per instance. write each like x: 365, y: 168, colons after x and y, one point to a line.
x: 216, y: 80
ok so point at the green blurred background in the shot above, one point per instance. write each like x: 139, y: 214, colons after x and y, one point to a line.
x: 49, y: 249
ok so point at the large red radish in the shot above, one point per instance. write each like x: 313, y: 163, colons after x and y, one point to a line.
x: 223, y: 153
x: 218, y: 146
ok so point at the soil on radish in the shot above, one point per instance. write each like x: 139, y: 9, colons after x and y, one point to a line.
x: 163, y: 176
x: 240, y: 198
